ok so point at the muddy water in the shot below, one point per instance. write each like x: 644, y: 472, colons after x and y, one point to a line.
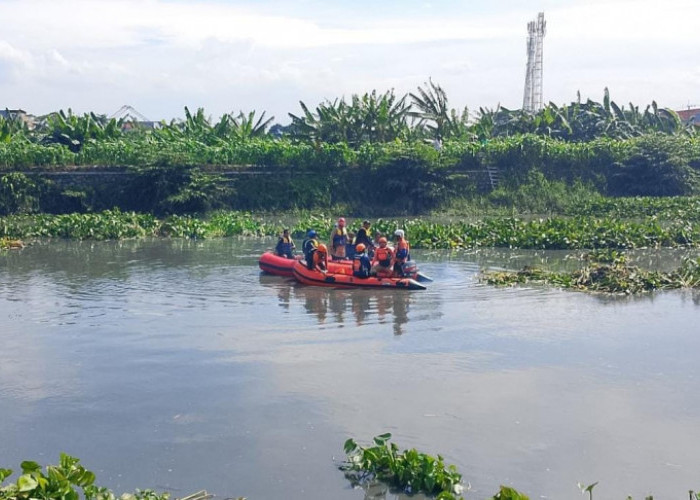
x: 175, y: 365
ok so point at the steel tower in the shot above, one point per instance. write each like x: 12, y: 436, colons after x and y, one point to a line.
x: 532, y: 98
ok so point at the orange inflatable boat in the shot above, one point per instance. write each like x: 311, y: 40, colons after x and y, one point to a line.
x: 272, y: 263
x: 341, y: 277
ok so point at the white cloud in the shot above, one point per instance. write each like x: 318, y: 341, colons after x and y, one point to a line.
x: 158, y: 55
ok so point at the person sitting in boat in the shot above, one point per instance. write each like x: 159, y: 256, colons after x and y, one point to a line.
x: 383, y: 259
x: 364, y: 237
x: 285, y: 246
x: 320, y: 258
x: 308, y: 247
x: 339, y: 237
x: 402, y: 252
x: 361, y: 264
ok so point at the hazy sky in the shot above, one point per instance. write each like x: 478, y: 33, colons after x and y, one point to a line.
x: 161, y: 55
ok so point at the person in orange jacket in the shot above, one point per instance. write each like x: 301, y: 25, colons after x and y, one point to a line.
x: 320, y: 258
x: 383, y: 259
x: 402, y: 252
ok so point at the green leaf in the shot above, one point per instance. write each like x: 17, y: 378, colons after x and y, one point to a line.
x: 26, y: 483
x: 30, y: 466
x: 350, y: 446
x: 5, y: 473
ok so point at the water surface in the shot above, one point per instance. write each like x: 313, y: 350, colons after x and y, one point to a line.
x: 175, y: 365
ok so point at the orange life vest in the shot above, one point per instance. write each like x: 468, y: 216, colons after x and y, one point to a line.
x: 320, y: 260
x: 383, y: 255
x: 402, y: 244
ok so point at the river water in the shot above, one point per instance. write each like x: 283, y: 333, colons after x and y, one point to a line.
x: 174, y: 365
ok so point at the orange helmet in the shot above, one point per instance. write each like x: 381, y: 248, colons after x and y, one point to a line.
x: 322, y: 248
x: 382, y: 241
x: 360, y: 247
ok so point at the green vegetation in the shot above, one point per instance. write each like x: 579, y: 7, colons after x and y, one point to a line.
x: 64, y: 481
x: 373, y: 153
x: 411, y: 471
x: 503, y: 232
x: 608, y: 272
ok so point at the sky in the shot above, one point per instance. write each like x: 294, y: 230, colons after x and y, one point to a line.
x: 267, y: 55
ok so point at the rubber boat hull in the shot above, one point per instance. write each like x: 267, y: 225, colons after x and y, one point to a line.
x: 272, y: 263
x: 345, y: 279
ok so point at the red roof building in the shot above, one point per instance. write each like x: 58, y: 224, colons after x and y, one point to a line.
x: 690, y: 116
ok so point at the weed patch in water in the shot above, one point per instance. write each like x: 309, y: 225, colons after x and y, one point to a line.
x: 608, y: 272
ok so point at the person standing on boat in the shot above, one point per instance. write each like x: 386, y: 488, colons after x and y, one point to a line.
x: 364, y: 237
x: 339, y: 237
x: 383, y: 259
x: 402, y: 252
x: 350, y: 246
x: 320, y: 258
x: 285, y: 246
x: 308, y: 247
x: 361, y: 264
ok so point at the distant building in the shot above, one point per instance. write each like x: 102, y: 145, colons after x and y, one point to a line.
x: 18, y: 114
x: 133, y: 120
x: 690, y: 116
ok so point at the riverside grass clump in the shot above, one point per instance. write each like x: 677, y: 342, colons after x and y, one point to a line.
x: 608, y: 272
x: 65, y: 481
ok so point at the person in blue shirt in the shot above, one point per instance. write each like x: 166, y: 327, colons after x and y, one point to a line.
x: 361, y: 263
x: 309, y: 246
x: 339, y: 237
x: 285, y: 246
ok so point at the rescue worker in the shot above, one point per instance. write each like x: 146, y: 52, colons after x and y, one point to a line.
x: 350, y: 246
x: 364, y: 237
x: 320, y: 258
x: 361, y: 264
x: 402, y: 254
x: 383, y: 257
x: 308, y: 247
x: 285, y: 246
x: 339, y: 237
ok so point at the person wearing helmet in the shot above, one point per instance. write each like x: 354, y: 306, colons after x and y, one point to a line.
x: 383, y: 259
x: 402, y: 252
x: 339, y: 237
x: 320, y: 258
x: 285, y: 245
x: 361, y: 264
x: 308, y: 247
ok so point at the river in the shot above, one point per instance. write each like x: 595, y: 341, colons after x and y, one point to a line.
x: 174, y: 365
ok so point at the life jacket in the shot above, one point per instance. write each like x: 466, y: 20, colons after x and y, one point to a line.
x: 383, y: 255
x: 320, y: 260
x: 402, y: 248
x: 308, y: 245
x: 340, y: 237
x: 361, y: 266
x: 285, y: 246
x: 363, y: 237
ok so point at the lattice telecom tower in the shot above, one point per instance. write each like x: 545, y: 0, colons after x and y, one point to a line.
x: 532, y: 99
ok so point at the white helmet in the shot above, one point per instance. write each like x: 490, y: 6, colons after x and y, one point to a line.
x: 399, y: 233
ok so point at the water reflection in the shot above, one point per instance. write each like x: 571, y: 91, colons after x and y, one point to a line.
x: 359, y: 307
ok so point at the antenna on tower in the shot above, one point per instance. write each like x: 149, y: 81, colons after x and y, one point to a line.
x: 532, y: 98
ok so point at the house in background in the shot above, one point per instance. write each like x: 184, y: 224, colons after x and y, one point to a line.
x: 690, y: 116
x: 18, y: 114
x: 133, y: 120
